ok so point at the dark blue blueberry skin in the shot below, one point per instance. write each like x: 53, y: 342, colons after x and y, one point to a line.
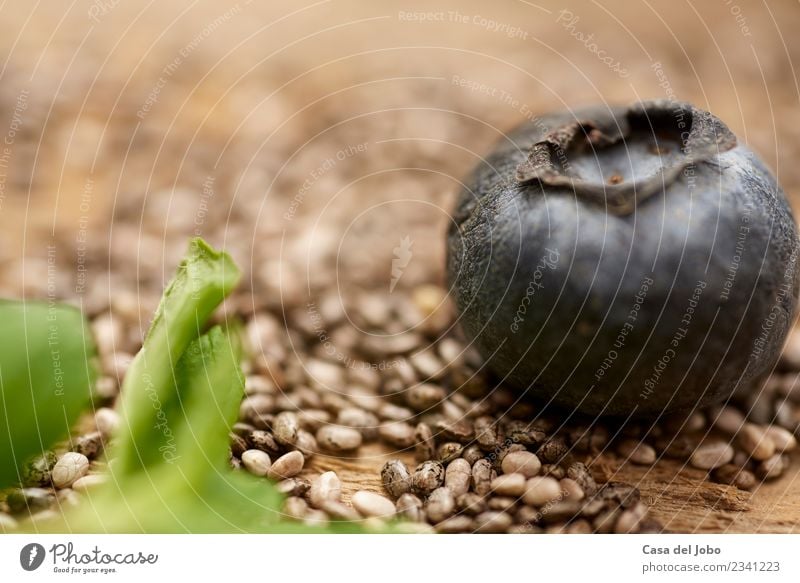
x: 625, y: 261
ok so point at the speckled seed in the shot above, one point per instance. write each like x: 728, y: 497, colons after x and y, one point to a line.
x: 728, y: 420
x: 711, y: 455
x: 336, y: 438
x: 256, y: 462
x: 449, y: 451
x: 286, y: 466
x: 458, y: 476
x: 527, y: 516
x: 409, y: 507
x: 583, y: 477
x: 363, y: 421
x: 486, y: 433
x: 735, y: 476
x: 540, y: 490
x: 783, y: 439
x: 256, y: 408
x: 396, y: 478
x: 492, y: 522
x: 560, y: 511
x: 509, y: 485
x: 472, y: 453
x: 37, y: 472
x: 106, y: 420
x: 620, y: 493
x: 256, y: 384
x: 754, y: 441
x: 295, y: 508
x: 88, y: 482
x: 441, y: 505
x: 340, y: 511
x: 679, y: 447
x: 502, y: 503
x: 293, y: 486
x: 313, y: 419
x: 285, y: 427
x: 424, y: 447
x: 571, y: 489
x: 306, y: 443
x: 471, y: 503
x: 326, y: 486
x: 482, y: 476
x: 31, y: 499
x: 425, y: 396
x: 70, y: 467
x: 637, y: 452
x: 554, y: 471
x: 263, y: 440
x: 629, y: 520
x: 552, y: 451
x: 372, y: 504
x: 398, y: 434
x: 90, y: 445
x: 772, y: 467
x: 456, y: 525
x: 460, y: 430
x: 501, y: 455
x: 427, y: 477
x: 238, y: 447
x: 521, y: 462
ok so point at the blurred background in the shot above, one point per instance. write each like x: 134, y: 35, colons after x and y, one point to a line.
x: 320, y: 141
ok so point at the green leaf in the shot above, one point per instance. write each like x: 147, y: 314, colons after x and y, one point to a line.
x: 204, y: 278
x: 47, y: 371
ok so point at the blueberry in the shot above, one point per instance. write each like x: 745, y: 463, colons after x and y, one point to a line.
x: 624, y: 260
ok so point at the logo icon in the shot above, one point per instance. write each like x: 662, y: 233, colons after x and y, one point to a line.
x: 402, y: 256
x: 31, y: 556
